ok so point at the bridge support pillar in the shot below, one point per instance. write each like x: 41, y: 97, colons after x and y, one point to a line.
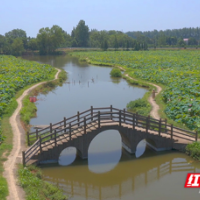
x: 128, y: 141
x: 82, y: 146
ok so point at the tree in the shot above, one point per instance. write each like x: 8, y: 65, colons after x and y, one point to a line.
x: 181, y: 43
x: 81, y: 34
x: 17, y: 47
x: 192, y: 41
x: 49, y: 39
x: 17, y: 33
x: 115, y: 72
x: 67, y: 40
x: 95, y: 38
x: 127, y: 45
x: 116, y: 43
x: 74, y: 43
x: 2, y: 43
x: 33, y: 44
x: 43, y: 38
x: 161, y: 39
x: 104, y: 45
x: 137, y: 46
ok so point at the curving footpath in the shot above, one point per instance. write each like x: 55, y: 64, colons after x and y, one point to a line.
x: 15, y: 157
x: 155, y: 106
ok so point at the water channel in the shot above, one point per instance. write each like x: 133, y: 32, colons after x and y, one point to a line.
x: 109, y: 172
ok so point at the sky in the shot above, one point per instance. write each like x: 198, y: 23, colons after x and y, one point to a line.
x: 121, y: 15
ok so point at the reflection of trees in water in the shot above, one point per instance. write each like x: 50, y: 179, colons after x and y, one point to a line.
x: 115, y: 80
x: 103, y: 186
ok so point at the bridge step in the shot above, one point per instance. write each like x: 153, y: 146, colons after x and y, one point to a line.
x: 77, y: 130
x: 64, y: 139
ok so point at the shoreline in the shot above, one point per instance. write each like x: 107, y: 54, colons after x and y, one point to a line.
x: 155, y: 107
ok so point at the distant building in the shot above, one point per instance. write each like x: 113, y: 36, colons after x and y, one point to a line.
x: 186, y: 40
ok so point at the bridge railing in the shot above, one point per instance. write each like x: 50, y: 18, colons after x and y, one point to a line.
x: 100, y: 115
x: 68, y: 132
x: 30, y: 152
x: 32, y: 136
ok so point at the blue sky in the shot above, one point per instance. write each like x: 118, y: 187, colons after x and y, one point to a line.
x: 122, y: 15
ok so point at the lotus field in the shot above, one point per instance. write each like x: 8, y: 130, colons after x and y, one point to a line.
x: 177, y: 71
x: 16, y: 73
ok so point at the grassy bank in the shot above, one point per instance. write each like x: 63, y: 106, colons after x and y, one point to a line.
x: 31, y: 180
x: 141, y: 106
x: 29, y: 109
x: 193, y: 150
x: 16, y: 75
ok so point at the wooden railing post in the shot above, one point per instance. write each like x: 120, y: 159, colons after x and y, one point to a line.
x: 172, y: 131
x: 70, y: 132
x: 92, y: 113
x: 165, y: 125
x: 36, y: 133
x: 99, y: 125
x: 40, y: 140
x: 23, y: 158
x: 28, y: 141
x: 51, y: 129
x: 84, y: 125
x: 124, y: 114
x: 136, y: 118
x: 78, y: 116
x: 65, y: 123
x: 159, y: 131
x: 111, y: 111
x: 196, y: 138
x: 147, y: 123
x: 120, y: 118
x: 55, y: 138
x: 133, y: 120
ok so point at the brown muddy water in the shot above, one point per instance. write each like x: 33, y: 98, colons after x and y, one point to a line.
x: 109, y: 172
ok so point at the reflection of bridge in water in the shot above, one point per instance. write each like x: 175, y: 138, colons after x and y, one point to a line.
x: 119, y: 181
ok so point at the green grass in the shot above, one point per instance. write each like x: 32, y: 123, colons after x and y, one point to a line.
x: 3, y: 188
x: 30, y: 179
x: 29, y: 109
x: 115, y: 72
x: 141, y: 106
x: 142, y: 110
x: 193, y: 150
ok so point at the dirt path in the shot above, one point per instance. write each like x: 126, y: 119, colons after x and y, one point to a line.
x: 15, y: 157
x: 155, y: 106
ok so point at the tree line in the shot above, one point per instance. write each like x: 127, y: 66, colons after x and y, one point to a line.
x: 169, y: 37
x: 16, y: 42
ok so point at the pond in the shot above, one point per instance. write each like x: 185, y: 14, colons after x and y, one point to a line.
x: 110, y: 172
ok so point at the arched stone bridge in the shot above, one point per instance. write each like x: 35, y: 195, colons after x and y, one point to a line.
x: 79, y: 130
